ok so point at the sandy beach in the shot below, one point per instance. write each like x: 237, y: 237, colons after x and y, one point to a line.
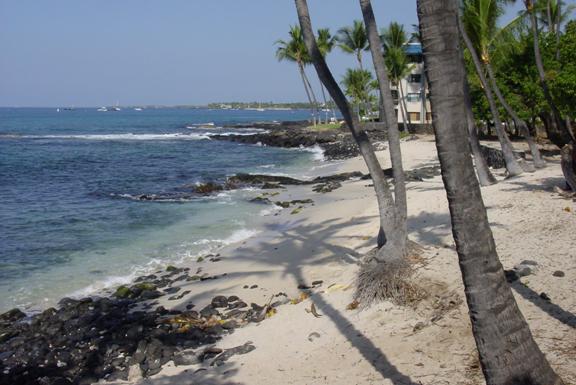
x: 428, y: 343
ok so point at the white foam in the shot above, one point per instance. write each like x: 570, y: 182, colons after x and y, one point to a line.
x: 317, y: 151
x: 270, y: 211
x: 211, y: 245
x: 239, y: 236
x: 127, y: 136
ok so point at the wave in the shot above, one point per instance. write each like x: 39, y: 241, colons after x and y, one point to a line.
x: 119, y: 137
x: 211, y: 246
x: 317, y: 151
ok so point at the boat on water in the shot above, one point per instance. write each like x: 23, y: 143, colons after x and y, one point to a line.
x: 137, y: 109
x: 102, y: 109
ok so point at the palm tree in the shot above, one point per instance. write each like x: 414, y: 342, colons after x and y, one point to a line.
x: 508, y: 353
x: 566, y: 137
x: 353, y: 40
x: 388, y: 113
x: 392, y: 267
x: 399, y: 67
x: 358, y: 85
x: 294, y: 50
x: 326, y: 43
x: 479, y: 19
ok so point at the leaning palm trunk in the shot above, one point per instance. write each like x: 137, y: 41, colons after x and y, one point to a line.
x: 389, y: 115
x: 507, y: 350
x: 314, y: 99
x: 405, y: 105
x: 389, y: 259
x: 485, y: 177
x: 325, y: 103
x: 519, y: 123
x: 303, y: 76
x: 401, y: 107
x: 512, y: 165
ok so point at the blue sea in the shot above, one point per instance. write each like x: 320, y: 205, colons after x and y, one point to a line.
x: 69, y: 225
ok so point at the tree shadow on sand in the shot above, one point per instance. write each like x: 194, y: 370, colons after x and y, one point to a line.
x: 547, y: 306
x: 302, y: 237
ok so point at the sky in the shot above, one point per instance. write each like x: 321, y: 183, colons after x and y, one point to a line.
x: 152, y: 52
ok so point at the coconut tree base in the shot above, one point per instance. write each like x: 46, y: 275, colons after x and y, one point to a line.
x: 527, y: 167
x: 387, y: 278
x: 567, y: 163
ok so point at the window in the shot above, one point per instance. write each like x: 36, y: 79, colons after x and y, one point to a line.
x: 413, y: 97
x: 394, y: 96
x: 414, y: 116
x: 415, y: 58
x: 415, y: 78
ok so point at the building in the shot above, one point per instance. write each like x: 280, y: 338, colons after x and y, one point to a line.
x: 414, y: 89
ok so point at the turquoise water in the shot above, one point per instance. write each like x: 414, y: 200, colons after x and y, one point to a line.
x: 67, y: 223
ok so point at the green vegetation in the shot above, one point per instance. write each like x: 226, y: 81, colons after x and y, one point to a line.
x: 325, y: 127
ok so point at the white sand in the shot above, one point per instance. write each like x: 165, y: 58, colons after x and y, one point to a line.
x: 381, y: 345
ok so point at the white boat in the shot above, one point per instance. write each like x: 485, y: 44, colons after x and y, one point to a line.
x: 137, y: 109
x: 102, y: 109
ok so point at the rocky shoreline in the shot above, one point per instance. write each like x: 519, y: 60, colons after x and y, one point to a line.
x: 124, y: 336
x: 336, y: 144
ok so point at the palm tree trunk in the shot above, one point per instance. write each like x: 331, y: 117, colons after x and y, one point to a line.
x: 549, y: 16
x: 325, y: 103
x: 303, y: 76
x: 387, y: 105
x: 405, y: 105
x: 485, y: 177
x: 359, y: 58
x: 507, y: 350
x: 402, y: 111
x: 519, y: 123
x: 512, y: 165
x: 314, y: 100
x: 388, y: 238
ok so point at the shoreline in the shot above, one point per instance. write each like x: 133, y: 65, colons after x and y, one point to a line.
x: 431, y: 342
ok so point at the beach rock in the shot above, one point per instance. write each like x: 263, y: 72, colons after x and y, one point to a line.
x: 270, y: 186
x: 207, y: 188
x: 172, y: 290
x: 11, y: 316
x: 260, y: 199
x: 186, y: 357
x: 326, y: 187
x: 209, y: 353
x: 208, y: 312
x: 525, y: 268
x: 237, y: 305
x: 219, y: 301
x: 558, y: 273
x: 228, y: 353
x: 123, y: 292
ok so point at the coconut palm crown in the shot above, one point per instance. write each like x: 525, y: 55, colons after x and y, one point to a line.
x: 353, y: 40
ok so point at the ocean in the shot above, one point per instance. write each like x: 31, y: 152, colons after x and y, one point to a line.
x: 69, y: 221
